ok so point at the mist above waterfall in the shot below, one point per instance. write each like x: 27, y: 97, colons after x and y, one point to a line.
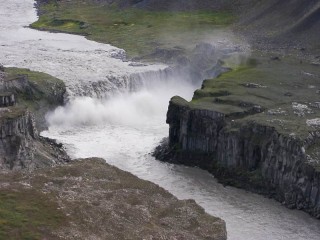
x: 144, y: 96
x: 129, y: 108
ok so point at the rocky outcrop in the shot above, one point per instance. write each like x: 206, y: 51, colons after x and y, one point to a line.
x: 7, y: 99
x: 86, y: 199
x: 247, y: 154
x: 21, y: 147
x: 39, y: 91
x: 89, y: 199
x: 275, y: 25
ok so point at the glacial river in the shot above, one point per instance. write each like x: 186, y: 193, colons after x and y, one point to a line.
x: 124, y: 128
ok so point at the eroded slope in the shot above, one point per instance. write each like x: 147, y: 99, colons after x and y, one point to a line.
x: 89, y: 199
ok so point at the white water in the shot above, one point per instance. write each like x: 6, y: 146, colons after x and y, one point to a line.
x: 74, y: 59
x: 125, y: 128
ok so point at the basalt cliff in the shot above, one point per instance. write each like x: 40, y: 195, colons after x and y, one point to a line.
x: 255, y: 127
x: 44, y: 195
x: 21, y: 146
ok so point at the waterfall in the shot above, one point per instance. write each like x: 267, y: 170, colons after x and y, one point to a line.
x: 203, y: 63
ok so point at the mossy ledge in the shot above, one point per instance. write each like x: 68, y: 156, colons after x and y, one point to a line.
x: 256, y: 127
x: 25, y: 98
x: 36, y: 91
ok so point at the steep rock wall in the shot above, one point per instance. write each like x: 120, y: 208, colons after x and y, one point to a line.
x: 39, y: 91
x: 16, y: 141
x: 21, y: 147
x: 249, y: 155
x: 7, y: 99
x: 21, y: 93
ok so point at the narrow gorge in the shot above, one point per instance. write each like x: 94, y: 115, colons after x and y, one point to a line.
x: 104, y: 105
x: 249, y: 155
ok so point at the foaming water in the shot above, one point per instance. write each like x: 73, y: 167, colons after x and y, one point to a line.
x: 87, y: 67
x: 135, y: 109
x: 125, y: 128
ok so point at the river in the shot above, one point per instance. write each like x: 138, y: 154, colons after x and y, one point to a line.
x: 125, y: 127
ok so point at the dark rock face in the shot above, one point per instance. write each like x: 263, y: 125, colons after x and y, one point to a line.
x: 252, y: 156
x: 15, y: 146
x: 20, y: 83
x: 21, y: 147
x: 7, y: 99
x: 40, y: 95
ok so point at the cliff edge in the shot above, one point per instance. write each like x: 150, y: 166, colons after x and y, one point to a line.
x: 47, y: 196
x: 22, y: 96
x: 256, y: 127
x: 89, y: 199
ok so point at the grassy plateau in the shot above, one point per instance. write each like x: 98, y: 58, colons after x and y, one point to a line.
x: 284, y: 90
x: 137, y: 31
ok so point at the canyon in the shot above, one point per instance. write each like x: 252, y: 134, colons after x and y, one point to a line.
x: 253, y: 123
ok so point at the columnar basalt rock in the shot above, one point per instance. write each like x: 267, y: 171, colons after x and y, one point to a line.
x: 7, y: 99
x: 21, y: 147
x: 248, y: 155
x: 16, y: 140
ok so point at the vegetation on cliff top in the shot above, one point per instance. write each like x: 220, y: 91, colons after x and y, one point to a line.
x: 35, y: 91
x: 137, y: 31
x: 28, y: 214
x: 40, y: 87
x: 276, y: 91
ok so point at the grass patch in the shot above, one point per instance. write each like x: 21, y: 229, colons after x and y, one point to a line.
x: 40, y: 87
x: 13, y: 113
x: 34, y: 91
x: 42, y: 80
x: 137, y: 31
x: 27, y: 214
x: 265, y: 84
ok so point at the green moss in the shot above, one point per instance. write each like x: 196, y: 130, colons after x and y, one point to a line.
x: 209, y: 92
x: 209, y: 104
x: 272, y: 85
x: 13, y: 113
x: 179, y: 101
x: 41, y: 80
x: 240, y: 178
x: 27, y: 214
x: 139, y: 32
x: 43, y: 87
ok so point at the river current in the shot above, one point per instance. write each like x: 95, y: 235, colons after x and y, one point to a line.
x: 124, y: 128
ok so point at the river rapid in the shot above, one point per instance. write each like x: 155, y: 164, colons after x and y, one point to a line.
x: 126, y: 126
